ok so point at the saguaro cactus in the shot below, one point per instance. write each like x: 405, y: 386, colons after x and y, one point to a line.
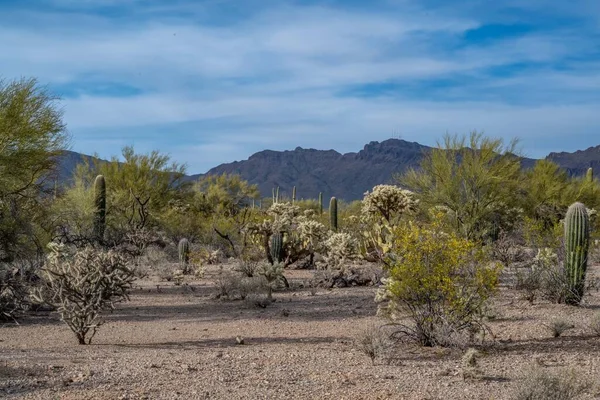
x: 184, y: 254
x: 277, y: 247
x: 100, y: 204
x: 577, y: 242
x: 589, y: 175
x: 333, y: 215
x: 294, y: 194
x: 320, y: 203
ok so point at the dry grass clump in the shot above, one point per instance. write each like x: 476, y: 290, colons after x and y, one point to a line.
x: 559, y: 326
x: 539, y: 384
x: 595, y: 324
x: 373, y: 342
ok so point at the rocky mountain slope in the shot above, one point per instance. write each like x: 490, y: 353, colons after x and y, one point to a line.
x: 346, y: 176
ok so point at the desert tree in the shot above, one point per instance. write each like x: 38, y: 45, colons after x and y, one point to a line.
x: 32, y: 136
x: 475, y: 179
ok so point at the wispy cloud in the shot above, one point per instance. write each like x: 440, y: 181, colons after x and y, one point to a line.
x: 212, y: 82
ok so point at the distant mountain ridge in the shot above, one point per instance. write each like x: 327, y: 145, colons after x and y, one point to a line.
x: 346, y: 176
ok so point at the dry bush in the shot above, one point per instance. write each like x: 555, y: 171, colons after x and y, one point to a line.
x: 558, y: 327
x: 82, y: 284
x: 594, y: 256
x: 13, y: 293
x: 595, y: 324
x: 227, y: 283
x: 538, y: 384
x: 508, y: 249
x: 250, y: 259
x: 373, y: 342
x: 155, y: 261
x: 232, y: 285
x: 547, y: 278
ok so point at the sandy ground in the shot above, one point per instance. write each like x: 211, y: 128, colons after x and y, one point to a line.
x: 180, y: 343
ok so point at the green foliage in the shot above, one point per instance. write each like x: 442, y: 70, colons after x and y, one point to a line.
x: 577, y: 242
x: 225, y: 194
x: 474, y: 179
x: 74, y: 212
x: 142, y: 186
x: 32, y: 134
x: 333, y: 214
x: 547, y: 193
x: 100, y: 203
x: 442, y: 280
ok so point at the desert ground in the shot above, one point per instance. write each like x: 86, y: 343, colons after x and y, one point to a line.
x: 180, y: 342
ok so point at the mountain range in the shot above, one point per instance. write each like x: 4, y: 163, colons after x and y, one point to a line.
x: 347, y: 176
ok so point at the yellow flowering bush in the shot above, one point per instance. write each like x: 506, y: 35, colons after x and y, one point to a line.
x: 440, y: 279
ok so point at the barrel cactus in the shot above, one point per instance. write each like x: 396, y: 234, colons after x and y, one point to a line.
x: 333, y: 214
x: 100, y: 207
x: 184, y: 254
x: 577, y: 241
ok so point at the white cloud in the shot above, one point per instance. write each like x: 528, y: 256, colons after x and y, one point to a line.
x: 275, y: 76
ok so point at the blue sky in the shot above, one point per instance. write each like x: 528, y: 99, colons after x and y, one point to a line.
x: 215, y: 81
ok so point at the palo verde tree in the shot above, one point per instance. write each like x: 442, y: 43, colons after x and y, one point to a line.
x: 143, y: 187
x: 32, y: 135
x: 473, y: 179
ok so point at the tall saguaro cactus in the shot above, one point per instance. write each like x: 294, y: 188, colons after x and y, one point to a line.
x: 100, y: 205
x: 184, y: 254
x: 577, y: 242
x: 333, y: 214
x: 320, y: 203
x: 294, y: 194
x: 589, y: 175
x: 277, y: 247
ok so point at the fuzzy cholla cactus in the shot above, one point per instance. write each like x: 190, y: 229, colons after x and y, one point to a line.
x: 312, y: 233
x: 273, y: 274
x: 82, y: 284
x: 544, y: 259
x: 387, y: 201
x: 284, y: 215
x: 340, y: 247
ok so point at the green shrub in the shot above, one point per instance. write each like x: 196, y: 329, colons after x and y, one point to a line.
x: 442, y: 280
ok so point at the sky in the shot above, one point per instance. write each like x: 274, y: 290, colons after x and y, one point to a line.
x: 214, y: 81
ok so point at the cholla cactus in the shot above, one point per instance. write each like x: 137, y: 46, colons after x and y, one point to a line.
x: 388, y: 200
x: 82, y: 284
x: 312, y: 233
x: 273, y: 274
x: 340, y: 247
x: 283, y: 216
x: 544, y: 259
